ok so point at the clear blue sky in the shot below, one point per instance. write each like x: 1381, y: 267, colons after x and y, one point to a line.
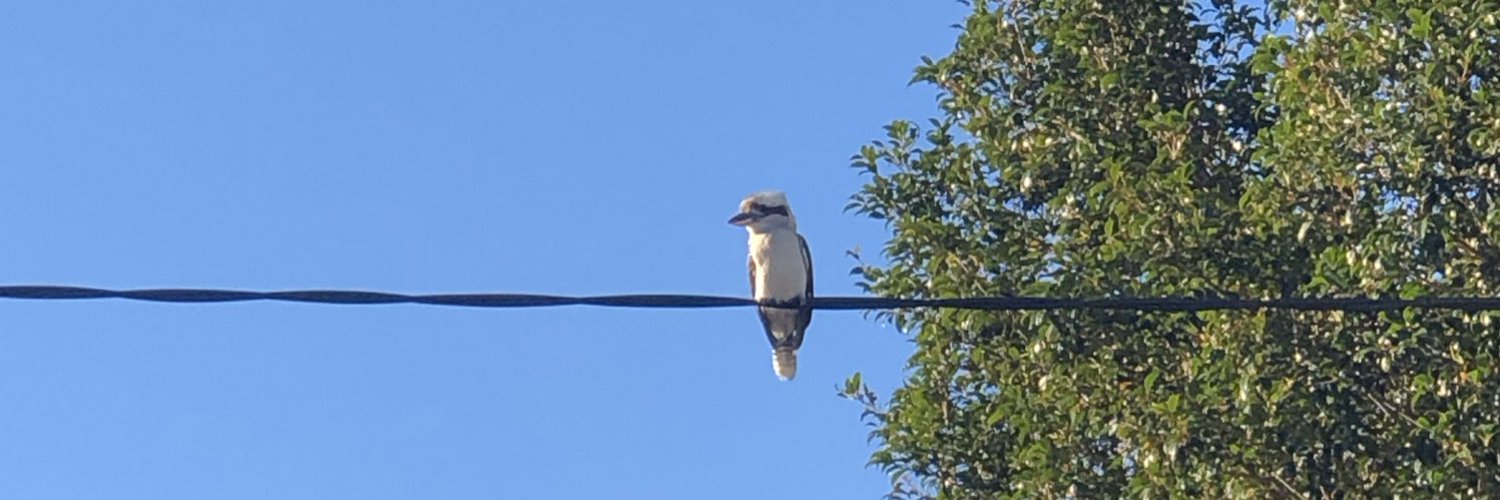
x: 554, y: 147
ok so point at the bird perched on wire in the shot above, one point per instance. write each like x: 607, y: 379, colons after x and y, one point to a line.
x: 780, y: 275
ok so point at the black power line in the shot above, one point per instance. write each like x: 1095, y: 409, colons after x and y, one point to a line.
x: 701, y: 301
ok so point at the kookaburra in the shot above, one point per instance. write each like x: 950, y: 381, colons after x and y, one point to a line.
x: 780, y: 274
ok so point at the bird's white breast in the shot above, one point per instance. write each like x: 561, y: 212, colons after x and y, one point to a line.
x: 780, y: 271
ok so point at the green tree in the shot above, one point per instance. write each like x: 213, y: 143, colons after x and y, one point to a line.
x: 1168, y: 148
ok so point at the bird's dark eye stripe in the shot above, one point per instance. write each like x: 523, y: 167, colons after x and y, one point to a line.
x: 768, y: 210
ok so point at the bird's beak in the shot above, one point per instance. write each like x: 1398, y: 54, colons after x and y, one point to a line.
x: 743, y: 218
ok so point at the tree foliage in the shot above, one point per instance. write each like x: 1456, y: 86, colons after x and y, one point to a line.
x: 1163, y: 148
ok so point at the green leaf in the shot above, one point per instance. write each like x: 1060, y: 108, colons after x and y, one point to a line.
x: 1350, y: 159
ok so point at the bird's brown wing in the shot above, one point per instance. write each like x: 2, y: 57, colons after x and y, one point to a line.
x: 804, y: 314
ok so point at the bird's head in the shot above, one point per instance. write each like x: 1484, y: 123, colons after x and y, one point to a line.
x: 765, y: 211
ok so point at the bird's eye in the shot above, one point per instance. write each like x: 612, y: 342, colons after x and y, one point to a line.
x: 768, y: 210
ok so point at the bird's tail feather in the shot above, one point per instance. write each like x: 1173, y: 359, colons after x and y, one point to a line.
x: 784, y: 360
